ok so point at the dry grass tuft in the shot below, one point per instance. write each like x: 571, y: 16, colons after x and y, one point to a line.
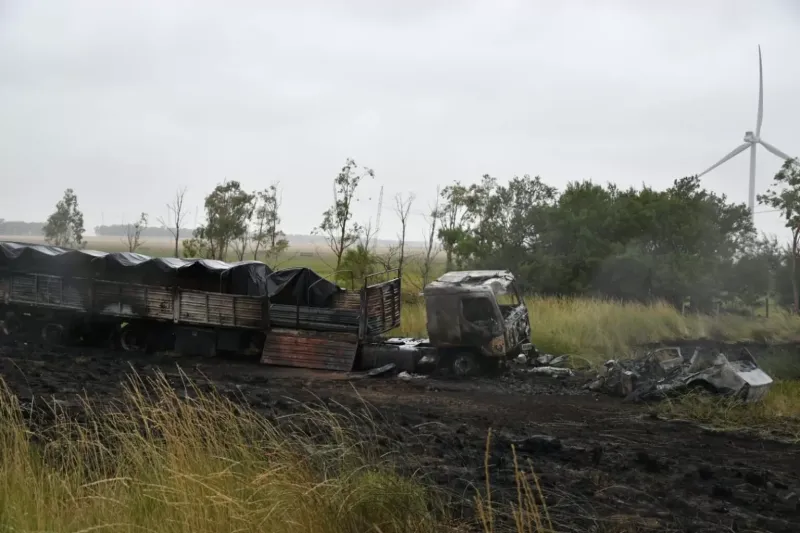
x: 192, y: 461
x: 529, y: 513
x: 170, y: 464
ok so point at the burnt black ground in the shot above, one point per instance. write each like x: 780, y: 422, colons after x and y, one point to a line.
x: 604, y: 465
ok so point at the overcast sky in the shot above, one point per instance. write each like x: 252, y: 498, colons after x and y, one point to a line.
x: 126, y: 101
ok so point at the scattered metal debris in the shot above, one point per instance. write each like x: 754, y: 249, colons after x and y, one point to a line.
x: 406, y: 376
x: 380, y: 371
x: 544, y: 364
x: 552, y: 371
x: 667, y: 370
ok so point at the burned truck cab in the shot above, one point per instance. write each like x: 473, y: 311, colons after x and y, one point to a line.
x: 476, y: 319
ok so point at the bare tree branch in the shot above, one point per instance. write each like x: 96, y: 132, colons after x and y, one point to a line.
x: 432, y: 247
x: 175, y: 217
x: 133, y: 233
x: 402, y: 208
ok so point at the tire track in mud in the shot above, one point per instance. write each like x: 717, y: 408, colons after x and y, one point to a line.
x: 602, y: 463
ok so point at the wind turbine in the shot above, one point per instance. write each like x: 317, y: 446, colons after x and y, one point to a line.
x: 751, y: 140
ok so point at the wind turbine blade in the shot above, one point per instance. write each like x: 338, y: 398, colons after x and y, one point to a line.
x: 738, y: 150
x: 760, y: 118
x: 774, y: 150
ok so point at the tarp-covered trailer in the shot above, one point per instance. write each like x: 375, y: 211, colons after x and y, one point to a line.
x: 292, y: 317
x: 192, y: 305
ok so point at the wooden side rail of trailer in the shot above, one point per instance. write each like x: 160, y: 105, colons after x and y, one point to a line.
x: 115, y: 299
x: 329, y: 337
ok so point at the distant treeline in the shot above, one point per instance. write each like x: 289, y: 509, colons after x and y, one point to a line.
x: 16, y: 227
x: 120, y: 230
x: 35, y: 229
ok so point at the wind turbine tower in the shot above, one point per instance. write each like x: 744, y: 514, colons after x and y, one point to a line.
x: 751, y: 140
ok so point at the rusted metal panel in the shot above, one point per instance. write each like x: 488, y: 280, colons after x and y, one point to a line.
x: 23, y: 288
x: 310, y: 349
x: 383, y: 303
x: 5, y: 287
x: 347, y: 300
x: 197, y: 307
x: 314, y: 318
x: 47, y: 291
x: 119, y: 299
x: 249, y: 311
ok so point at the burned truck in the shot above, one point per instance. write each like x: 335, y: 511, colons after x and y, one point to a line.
x: 291, y: 317
x: 476, y: 321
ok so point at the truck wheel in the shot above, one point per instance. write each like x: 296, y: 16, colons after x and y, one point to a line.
x: 11, y: 324
x: 130, y: 340
x: 52, y: 334
x: 464, y: 365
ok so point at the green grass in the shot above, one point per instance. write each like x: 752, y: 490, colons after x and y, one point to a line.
x: 777, y: 415
x: 602, y: 329
x: 161, y: 462
x: 597, y: 330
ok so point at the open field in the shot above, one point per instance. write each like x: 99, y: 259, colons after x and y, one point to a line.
x: 270, y: 449
x: 319, y: 452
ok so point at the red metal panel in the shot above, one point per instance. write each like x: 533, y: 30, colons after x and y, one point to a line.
x: 310, y: 349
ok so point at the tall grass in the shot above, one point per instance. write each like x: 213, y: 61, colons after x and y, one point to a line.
x: 167, y: 464
x: 192, y: 461
x: 599, y: 329
x: 778, y: 414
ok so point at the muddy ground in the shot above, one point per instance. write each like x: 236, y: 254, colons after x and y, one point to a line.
x: 604, y: 465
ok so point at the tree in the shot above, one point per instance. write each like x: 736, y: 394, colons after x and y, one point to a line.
x: 65, y: 226
x: 787, y: 200
x: 594, y: 240
x: 240, y: 245
x: 175, y: 217
x: 454, y: 218
x: 752, y: 276
x: 337, y: 225
x: 360, y: 260
x: 431, y: 244
x: 228, y: 212
x: 402, y: 207
x: 509, y: 221
x: 196, y: 248
x: 134, y: 233
x: 267, y: 234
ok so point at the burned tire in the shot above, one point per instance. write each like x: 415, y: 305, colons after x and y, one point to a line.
x: 53, y: 334
x: 464, y: 365
x: 12, y: 325
x: 131, y: 340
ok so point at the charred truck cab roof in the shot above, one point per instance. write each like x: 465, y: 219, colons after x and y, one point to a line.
x: 463, y: 310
